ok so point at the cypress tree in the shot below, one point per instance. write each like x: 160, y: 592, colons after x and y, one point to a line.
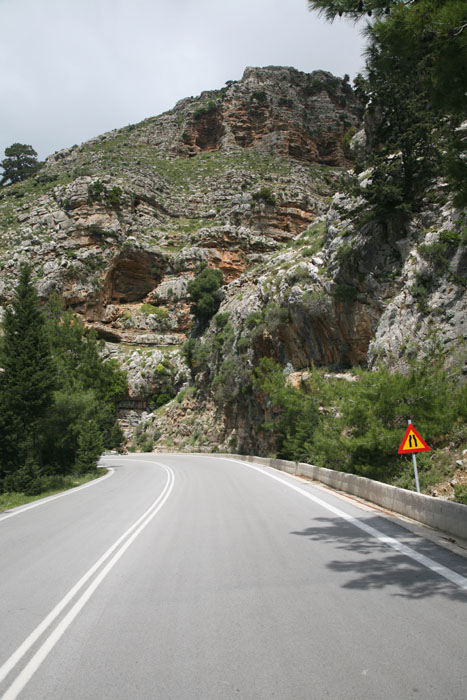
x: 28, y: 379
x: 12, y: 437
x: 90, y: 447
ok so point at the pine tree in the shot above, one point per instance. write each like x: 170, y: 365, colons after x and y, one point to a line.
x: 20, y: 163
x: 90, y: 447
x: 12, y: 452
x: 414, y: 87
x: 76, y: 353
x: 28, y: 378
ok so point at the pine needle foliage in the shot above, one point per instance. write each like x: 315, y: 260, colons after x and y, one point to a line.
x: 58, y: 397
x: 19, y: 164
x: 28, y: 379
x: 414, y: 90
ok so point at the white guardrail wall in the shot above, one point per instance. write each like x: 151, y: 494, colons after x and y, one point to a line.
x: 438, y: 513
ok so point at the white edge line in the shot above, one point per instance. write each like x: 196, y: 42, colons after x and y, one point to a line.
x: 448, y: 574
x: 17, y: 655
x: 48, y: 499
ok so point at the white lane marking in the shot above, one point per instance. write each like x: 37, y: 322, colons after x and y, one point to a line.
x: 450, y: 575
x: 26, y: 674
x: 42, y: 501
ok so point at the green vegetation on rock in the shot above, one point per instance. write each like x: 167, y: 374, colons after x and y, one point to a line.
x: 266, y: 195
x: 356, y: 425
x: 204, y: 294
x: 160, y: 312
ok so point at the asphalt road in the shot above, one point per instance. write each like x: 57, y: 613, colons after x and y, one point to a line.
x: 200, y: 578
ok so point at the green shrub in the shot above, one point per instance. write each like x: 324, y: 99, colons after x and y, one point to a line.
x: 221, y: 319
x: 259, y: 96
x: 296, y: 415
x: 161, y: 399
x: 243, y: 344
x: 90, y: 446
x: 46, y: 178
x: 450, y: 237
x: 435, y: 253
x: 420, y: 290
x: 275, y: 316
x: 203, y: 291
x: 254, y: 319
x: 209, y: 108
x: 266, y: 195
x: 460, y: 493
x: 81, y: 171
x: 114, y: 197
x: 97, y: 231
x: 26, y: 479
x: 271, y: 319
x: 145, y: 443
x: 196, y: 355
x: 373, y: 413
x: 232, y: 380
x: 184, y: 393
x: 159, y: 311
x: 95, y: 191
x: 308, y: 252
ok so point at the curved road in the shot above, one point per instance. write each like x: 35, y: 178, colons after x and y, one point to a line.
x: 187, y: 577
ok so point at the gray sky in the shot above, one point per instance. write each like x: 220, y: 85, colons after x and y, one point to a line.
x: 72, y: 69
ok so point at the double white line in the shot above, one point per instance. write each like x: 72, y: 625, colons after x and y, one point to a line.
x: 111, y: 556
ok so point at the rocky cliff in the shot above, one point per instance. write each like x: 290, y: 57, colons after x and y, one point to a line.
x: 245, y: 179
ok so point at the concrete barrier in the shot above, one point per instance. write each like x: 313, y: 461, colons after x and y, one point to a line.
x: 447, y: 516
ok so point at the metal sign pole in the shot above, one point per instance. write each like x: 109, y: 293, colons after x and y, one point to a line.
x: 414, y: 460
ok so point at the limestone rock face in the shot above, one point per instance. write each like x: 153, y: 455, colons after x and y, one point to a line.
x: 127, y: 218
x: 277, y: 110
x: 248, y: 180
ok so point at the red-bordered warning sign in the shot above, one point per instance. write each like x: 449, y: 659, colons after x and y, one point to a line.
x: 412, y: 442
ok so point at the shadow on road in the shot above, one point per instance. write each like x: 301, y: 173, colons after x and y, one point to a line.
x: 379, y: 566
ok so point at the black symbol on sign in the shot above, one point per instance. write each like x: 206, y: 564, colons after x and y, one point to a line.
x: 414, y: 440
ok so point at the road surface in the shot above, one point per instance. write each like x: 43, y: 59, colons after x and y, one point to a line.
x: 187, y: 577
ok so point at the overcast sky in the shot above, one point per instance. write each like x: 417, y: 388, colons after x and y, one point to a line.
x: 72, y: 69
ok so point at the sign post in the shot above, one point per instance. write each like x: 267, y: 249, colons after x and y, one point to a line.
x: 413, y: 442
x: 415, y: 470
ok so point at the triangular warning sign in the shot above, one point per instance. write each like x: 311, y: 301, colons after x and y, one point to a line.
x: 412, y: 442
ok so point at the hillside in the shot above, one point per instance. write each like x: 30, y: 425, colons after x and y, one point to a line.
x: 126, y: 218
x: 251, y: 180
